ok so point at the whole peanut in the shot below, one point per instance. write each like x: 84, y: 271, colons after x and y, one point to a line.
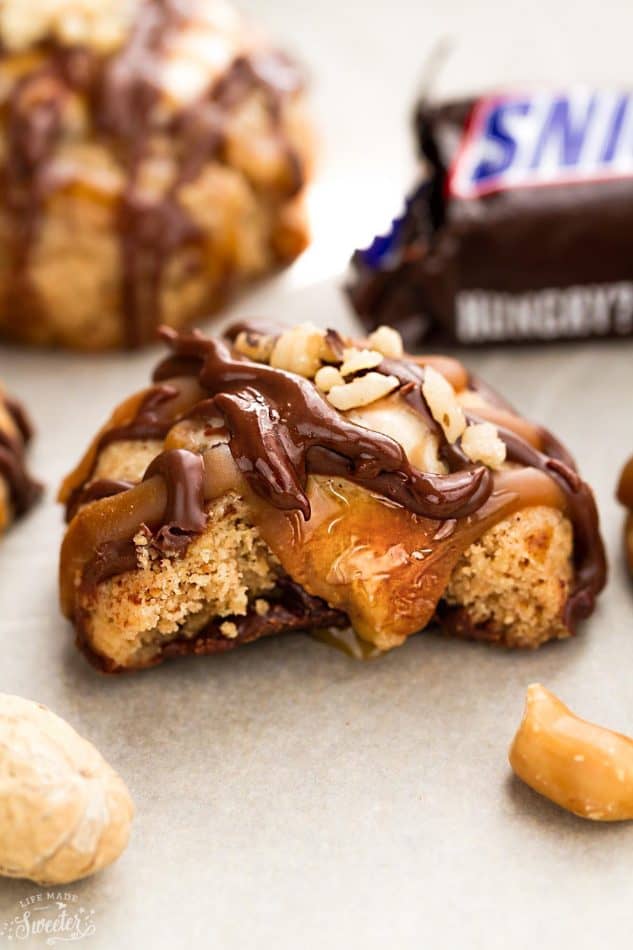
x: 584, y: 768
x: 64, y: 812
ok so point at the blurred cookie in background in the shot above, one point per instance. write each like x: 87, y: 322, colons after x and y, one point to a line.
x: 153, y: 157
x: 18, y: 491
x: 625, y: 497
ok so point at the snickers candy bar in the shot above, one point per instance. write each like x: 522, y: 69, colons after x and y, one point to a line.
x: 520, y: 229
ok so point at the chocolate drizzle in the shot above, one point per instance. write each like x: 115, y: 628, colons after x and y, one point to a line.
x: 23, y: 490
x: 34, y: 125
x: 124, y: 95
x: 282, y: 429
x: 183, y: 473
x: 148, y: 422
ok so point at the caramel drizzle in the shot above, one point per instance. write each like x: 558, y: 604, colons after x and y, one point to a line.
x: 123, y: 92
x: 281, y: 429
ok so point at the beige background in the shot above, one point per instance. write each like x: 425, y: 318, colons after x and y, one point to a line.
x: 287, y: 796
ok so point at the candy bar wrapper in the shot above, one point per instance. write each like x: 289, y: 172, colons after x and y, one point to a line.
x: 521, y: 229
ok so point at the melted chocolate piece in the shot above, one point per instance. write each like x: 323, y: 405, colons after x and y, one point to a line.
x: 33, y: 129
x: 111, y: 558
x: 19, y: 416
x: 123, y: 93
x: 291, y: 610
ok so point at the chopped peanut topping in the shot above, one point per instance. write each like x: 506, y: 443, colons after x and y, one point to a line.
x: 387, y: 341
x: 256, y: 346
x: 443, y: 404
x: 481, y: 443
x: 299, y: 350
x: 362, y: 391
x: 327, y: 377
x: 355, y: 360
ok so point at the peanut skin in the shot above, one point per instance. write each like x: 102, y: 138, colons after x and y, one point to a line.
x: 584, y: 768
x: 64, y: 812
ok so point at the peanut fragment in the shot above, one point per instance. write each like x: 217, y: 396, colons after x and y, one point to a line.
x: 327, y: 377
x: 356, y: 360
x: 362, y: 391
x: 582, y: 767
x: 481, y: 443
x: 441, y: 400
x: 387, y: 341
x: 256, y: 346
x: 299, y: 350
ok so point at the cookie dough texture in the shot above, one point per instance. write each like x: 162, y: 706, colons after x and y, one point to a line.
x: 511, y: 586
x: 64, y: 812
x: 223, y: 573
x: 154, y: 156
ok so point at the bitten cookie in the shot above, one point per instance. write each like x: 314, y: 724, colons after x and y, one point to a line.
x: 153, y: 156
x: 625, y: 497
x: 18, y: 491
x: 275, y: 480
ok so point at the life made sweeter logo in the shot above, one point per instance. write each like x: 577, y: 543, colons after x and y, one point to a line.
x: 53, y: 916
x: 530, y: 140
